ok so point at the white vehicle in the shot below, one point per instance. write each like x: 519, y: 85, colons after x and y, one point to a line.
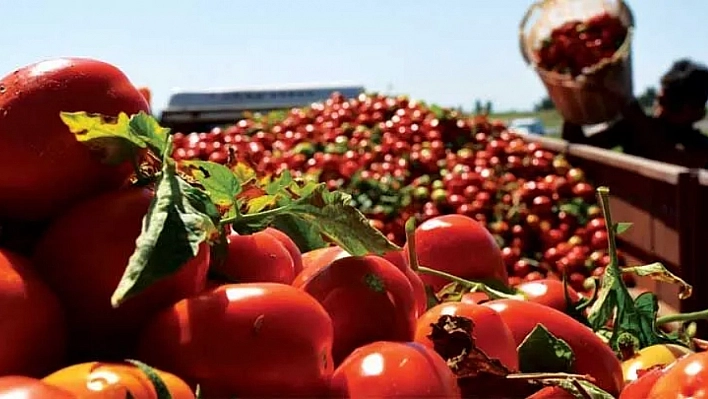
x: 528, y: 126
x: 208, y: 108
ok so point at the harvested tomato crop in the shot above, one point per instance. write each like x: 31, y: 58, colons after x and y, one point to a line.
x: 577, y: 45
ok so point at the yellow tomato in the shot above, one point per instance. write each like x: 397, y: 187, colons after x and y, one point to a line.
x: 651, y: 356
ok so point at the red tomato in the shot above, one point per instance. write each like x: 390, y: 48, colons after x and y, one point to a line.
x: 548, y: 292
x: 651, y: 356
x: 592, y: 355
x: 394, y: 370
x: 369, y: 300
x: 115, y: 381
x: 686, y: 378
x: 20, y: 387
x: 640, y: 387
x: 458, y: 245
x: 490, y: 333
x: 245, y: 340
x: 83, y: 255
x: 43, y: 168
x: 256, y: 258
x: 319, y: 258
x: 33, y: 330
x: 552, y: 393
x: 475, y: 297
x: 290, y: 245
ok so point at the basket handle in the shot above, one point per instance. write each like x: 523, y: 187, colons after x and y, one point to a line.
x: 524, y: 21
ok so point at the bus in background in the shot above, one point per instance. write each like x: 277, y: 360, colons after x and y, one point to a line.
x: 204, y: 109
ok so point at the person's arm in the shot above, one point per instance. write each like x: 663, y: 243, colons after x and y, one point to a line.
x: 613, y: 136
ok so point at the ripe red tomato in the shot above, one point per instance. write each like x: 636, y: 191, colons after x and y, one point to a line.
x: 83, y: 255
x: 115, y: 381
x: 20, y: 387
x: 548, y: 292
x: 394, y: 370
x: 640, y: 387
x: 245, y: 340
x: 552, y: 393
x: 458, y: 245
x: 319, y: 258
x: 256, y: 258
x: 490, y: 333
x: 290, y: 245
x: 33, y: 330
x: 686, y: 378
x: 43, y: 168
x: 369, y: 300
x: 592, y: 356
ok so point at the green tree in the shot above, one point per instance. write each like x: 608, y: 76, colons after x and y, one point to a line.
x: 545, y: 104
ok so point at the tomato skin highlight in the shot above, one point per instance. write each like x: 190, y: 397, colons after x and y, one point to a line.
x: 290, y: 245
x: 114, y: 381
x: 640, y: 387
x: 21, y: 387
x: 245, y: 340
x: 490, y: 333
x: 458, y: 245
x: 394, y: 370
x: 43, y: 168
x: 368, y: 299
x: 102, y: 232
x: 33, y: 330
x: 548, y: 292
x: 685, y: 378
x: 256, y: 258
x: 592, y: 355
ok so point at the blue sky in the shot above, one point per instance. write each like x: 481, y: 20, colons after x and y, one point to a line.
x: 445, y: 51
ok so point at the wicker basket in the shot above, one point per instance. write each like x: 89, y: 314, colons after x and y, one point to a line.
x: 580, y: 100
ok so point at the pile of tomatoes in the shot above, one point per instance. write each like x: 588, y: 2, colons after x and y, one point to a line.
x: 401, y: 158
x: 577, y: 45
x: 264, y: 318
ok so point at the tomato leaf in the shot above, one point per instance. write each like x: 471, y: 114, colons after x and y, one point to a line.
x: 118, y: 136
x: 542, y: 352
x: 657, y: 271
x: 160, y: 387
x: 621, y: 227
x: 220, y: 183
x: 243, y: 172
x: 258, y: 204
x: 338, y: 220
x: 306, y: 236
x: 173, y: 229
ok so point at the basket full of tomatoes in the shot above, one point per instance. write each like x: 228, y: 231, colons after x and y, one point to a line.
x: 581, y: 50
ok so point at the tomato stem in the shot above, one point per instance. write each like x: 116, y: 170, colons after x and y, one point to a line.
x: 251, y: 217
x: 604, y: 196
x: 410, y: 240
x: 549, y: 376
x: 470, y: 285
x: 682, y: 317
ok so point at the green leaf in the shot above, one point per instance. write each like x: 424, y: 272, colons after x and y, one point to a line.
x: 258, y: 204
x: 542, y: 352
x: 173, y: 230
x: 160, y: 387
x: 220, y: 183
x: 657, y: 271
x: 279, y: 184
x: 119, y: 136
x: 621, y: 227
x: 335, y: 218
x: 589, y: 390
x: 305, y: 235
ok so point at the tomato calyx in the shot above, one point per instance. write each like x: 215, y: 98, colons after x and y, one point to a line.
x: 199, y: 201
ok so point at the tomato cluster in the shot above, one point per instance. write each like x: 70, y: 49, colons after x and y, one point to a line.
x: 400, y: 158
x: 160, y: 283
x: 577, y: 45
